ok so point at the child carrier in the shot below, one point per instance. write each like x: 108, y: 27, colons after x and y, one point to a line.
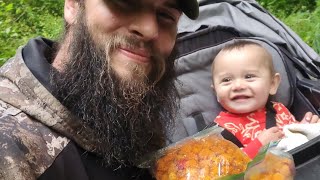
x: 222, y: 21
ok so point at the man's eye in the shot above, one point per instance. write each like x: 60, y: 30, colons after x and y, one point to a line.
x: 166, y: 17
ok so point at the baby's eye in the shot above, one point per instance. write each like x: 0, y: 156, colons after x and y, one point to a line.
x: 249, y: 76
x: 226, y: 79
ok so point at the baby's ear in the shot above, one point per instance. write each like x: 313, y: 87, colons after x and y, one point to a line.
x: 214, y: 92
x: 275, y: 84
x: 212, y: 87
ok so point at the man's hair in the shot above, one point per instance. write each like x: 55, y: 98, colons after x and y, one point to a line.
x: 240, y: 44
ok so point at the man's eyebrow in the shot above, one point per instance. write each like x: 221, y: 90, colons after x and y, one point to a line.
x: 172, y: 4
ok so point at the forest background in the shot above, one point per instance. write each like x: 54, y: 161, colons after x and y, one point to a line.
x: 21, y: 20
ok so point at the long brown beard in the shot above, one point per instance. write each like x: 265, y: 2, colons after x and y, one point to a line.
x: 130, y: 117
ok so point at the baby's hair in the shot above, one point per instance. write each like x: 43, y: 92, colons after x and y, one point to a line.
x: 239, y: 44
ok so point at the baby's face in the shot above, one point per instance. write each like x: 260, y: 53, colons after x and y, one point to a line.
x: 243, y: 80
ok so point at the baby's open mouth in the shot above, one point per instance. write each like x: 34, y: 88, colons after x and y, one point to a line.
x: 240, y: 97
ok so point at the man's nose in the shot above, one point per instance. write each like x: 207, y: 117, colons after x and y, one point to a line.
x: 238, y: 85
x: 145, y: 25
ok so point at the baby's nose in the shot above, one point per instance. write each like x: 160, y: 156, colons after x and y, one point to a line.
x: 238, y: 85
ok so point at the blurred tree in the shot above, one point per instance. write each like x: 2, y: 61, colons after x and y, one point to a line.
x: 303, y: 17
x: 21, y: 20
x: 307, y: 25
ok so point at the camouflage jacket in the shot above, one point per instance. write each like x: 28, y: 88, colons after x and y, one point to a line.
x: 34, y: 126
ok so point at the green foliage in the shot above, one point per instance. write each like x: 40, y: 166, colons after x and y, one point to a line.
x: 21, y: 20
x: 303, y: 17
x: 284, y: 8
x: 307, y: 26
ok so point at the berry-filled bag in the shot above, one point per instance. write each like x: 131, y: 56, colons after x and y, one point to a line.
x: 206, y: 155
x: 271, y: 164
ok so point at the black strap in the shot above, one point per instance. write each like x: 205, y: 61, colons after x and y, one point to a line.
x: 229, y: 136
x: 270, y: 116
x: 200, y: 122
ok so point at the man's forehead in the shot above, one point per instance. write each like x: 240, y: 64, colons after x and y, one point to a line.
x: 172, y: 3
x: 169, y: 3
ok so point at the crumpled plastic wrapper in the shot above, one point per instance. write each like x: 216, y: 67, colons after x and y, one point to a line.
x: 275, y: 165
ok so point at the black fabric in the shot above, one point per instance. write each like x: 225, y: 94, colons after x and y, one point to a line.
x: 74, y: 163
x: 300, y: 101
x: 307, y: 160
x: 68, y: 165
x: 311, y: 90
x: 302, y: 104
x: 204, y: 38
x: 299, y: 65
x: 38, y: 55
x: 200, y: 122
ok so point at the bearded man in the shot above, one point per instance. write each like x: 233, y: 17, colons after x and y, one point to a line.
x: 92, y: 104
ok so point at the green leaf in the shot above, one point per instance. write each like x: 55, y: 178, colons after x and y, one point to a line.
x: 9, y: 7
x: 260, y: 156
x: 8, y: 30
x: 232, y: 177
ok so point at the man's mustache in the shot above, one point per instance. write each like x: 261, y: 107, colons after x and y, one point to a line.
x: 132, y: 42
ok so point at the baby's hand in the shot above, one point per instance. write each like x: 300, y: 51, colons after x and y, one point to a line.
x: 269, y: 135
x: 310, y: 118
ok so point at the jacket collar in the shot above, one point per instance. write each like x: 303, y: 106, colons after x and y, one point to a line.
x: 29, y: 95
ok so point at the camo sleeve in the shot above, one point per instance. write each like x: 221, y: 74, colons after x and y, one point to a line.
x: 27, y: 148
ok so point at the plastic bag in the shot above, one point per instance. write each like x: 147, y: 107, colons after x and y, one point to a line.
x: 269, y: 164
x: 274, y: 165
x: 207, y: 155
x: 203, y: 156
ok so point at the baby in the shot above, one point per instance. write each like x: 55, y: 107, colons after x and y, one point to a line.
x: 244, y: 78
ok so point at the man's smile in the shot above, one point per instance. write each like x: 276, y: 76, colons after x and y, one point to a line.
x: 141, y: 55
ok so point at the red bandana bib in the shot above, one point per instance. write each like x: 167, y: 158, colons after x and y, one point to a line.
x: 246, y: 127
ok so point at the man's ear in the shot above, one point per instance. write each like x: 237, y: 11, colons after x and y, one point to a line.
x: 275, y: 84
x: 71, y: 8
